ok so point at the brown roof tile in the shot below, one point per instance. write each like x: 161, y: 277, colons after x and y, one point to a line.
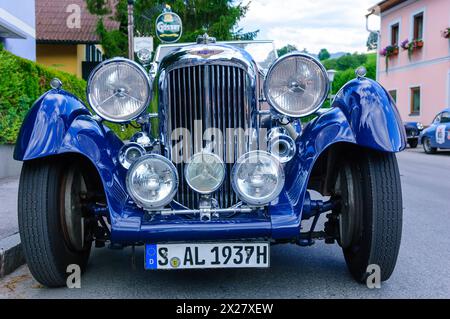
x: 51, y: 22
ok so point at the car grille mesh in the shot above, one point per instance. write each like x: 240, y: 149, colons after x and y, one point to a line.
x: 216, y: 95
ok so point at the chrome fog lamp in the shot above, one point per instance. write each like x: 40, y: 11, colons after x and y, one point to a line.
x: 296, y: 85
x: 281, y: 145
x: 129, y: 153
x: 119, y: 90
x: 205, y: 172
x: 152, y: 181
x: 258, y: 178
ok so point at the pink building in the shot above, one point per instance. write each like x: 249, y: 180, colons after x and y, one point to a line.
x: 414, y: 42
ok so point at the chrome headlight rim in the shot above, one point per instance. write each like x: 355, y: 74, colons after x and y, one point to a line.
x: 162, y: 203
x: 282, y: 59
x: 420, y: 126
x: 126, y: 148
x: 186, y: 174
x: 135, y: 65
x: 251, y: 200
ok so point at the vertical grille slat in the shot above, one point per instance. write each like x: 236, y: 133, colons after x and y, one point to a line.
x: 214, y: 94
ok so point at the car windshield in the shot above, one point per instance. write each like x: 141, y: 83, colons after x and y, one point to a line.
x: 445, y: 118
x: 263, y: 52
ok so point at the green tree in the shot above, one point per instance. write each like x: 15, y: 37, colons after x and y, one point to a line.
x: 286, y: 49
x: 346, y: 66
x: 218, y: 18
x: 324, y: 55
x: 348, y: 61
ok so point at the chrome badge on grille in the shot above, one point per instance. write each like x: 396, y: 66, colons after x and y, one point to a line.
x: 206, y: 53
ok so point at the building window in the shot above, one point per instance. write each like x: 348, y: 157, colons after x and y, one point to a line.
x: 415, y: 101
x: 393, y: 94
x: 395, y: 31
x: 93, y: 54
x: 418, y: 26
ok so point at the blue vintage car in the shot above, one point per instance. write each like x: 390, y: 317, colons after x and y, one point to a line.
x: 220, y: 168
x: 413, y: 130
x: 437, y: 135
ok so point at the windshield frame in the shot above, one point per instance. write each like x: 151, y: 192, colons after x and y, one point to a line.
x: 157, y: 59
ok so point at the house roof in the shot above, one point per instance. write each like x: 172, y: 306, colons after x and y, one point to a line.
x: 9, y: 31
x: 52, y: 22
x: 385, y: 5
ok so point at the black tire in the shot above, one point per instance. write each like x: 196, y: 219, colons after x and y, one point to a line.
x: 46, y: 247
x: 426, y: 142
x: 370, y: 214
x: 413, y: 143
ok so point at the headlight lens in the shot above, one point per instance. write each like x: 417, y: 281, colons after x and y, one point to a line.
x: 419, y: 126
x: 258, y: 178
x: 119, y: 90
x: 205, y: 172
x: 129, y: 153
x: 152, y: 181
x: 296, y: 85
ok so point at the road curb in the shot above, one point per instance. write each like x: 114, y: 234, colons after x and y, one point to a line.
x: 11, y: 254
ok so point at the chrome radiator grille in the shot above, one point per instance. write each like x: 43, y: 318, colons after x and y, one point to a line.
x: 216, y: 96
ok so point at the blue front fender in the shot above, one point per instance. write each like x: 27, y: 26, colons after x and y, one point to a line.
x: 364, y: 114
x: 59, y: 123
x: 372, y: 115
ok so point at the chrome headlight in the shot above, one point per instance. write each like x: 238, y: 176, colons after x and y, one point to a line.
x: 419, y: 126
x: 152, y: 181
x: 119, y: 90
x: 205, y: 172
x: 129, y: 153
x: 296, y: 85
x: 258, y: 178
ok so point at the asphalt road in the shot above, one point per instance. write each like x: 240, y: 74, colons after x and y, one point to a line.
x: 423, y: 269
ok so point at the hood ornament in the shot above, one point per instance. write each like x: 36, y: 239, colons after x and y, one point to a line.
x: 205, y: 39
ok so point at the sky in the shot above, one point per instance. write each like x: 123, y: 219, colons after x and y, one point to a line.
x: 337, y: 25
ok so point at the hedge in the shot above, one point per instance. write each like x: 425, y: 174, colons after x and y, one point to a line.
x: 21, y: 83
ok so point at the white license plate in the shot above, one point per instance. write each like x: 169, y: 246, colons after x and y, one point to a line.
x: 207, y: 255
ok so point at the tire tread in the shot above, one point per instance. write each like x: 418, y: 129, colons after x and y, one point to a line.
x: 387, y: 216
x: 33, y: 204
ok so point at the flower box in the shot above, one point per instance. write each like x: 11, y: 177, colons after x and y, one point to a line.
x: 389, y: 52
x: 412, y: 46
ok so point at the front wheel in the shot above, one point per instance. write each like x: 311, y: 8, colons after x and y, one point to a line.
x: 369, y: 217
x: 427, y: 146
x: 413, y: 143
x: 54, y: 227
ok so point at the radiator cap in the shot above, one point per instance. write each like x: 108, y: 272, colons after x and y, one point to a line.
x: 205, y: 39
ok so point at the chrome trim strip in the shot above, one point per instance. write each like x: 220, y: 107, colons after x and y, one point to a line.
x: 243, y: 210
